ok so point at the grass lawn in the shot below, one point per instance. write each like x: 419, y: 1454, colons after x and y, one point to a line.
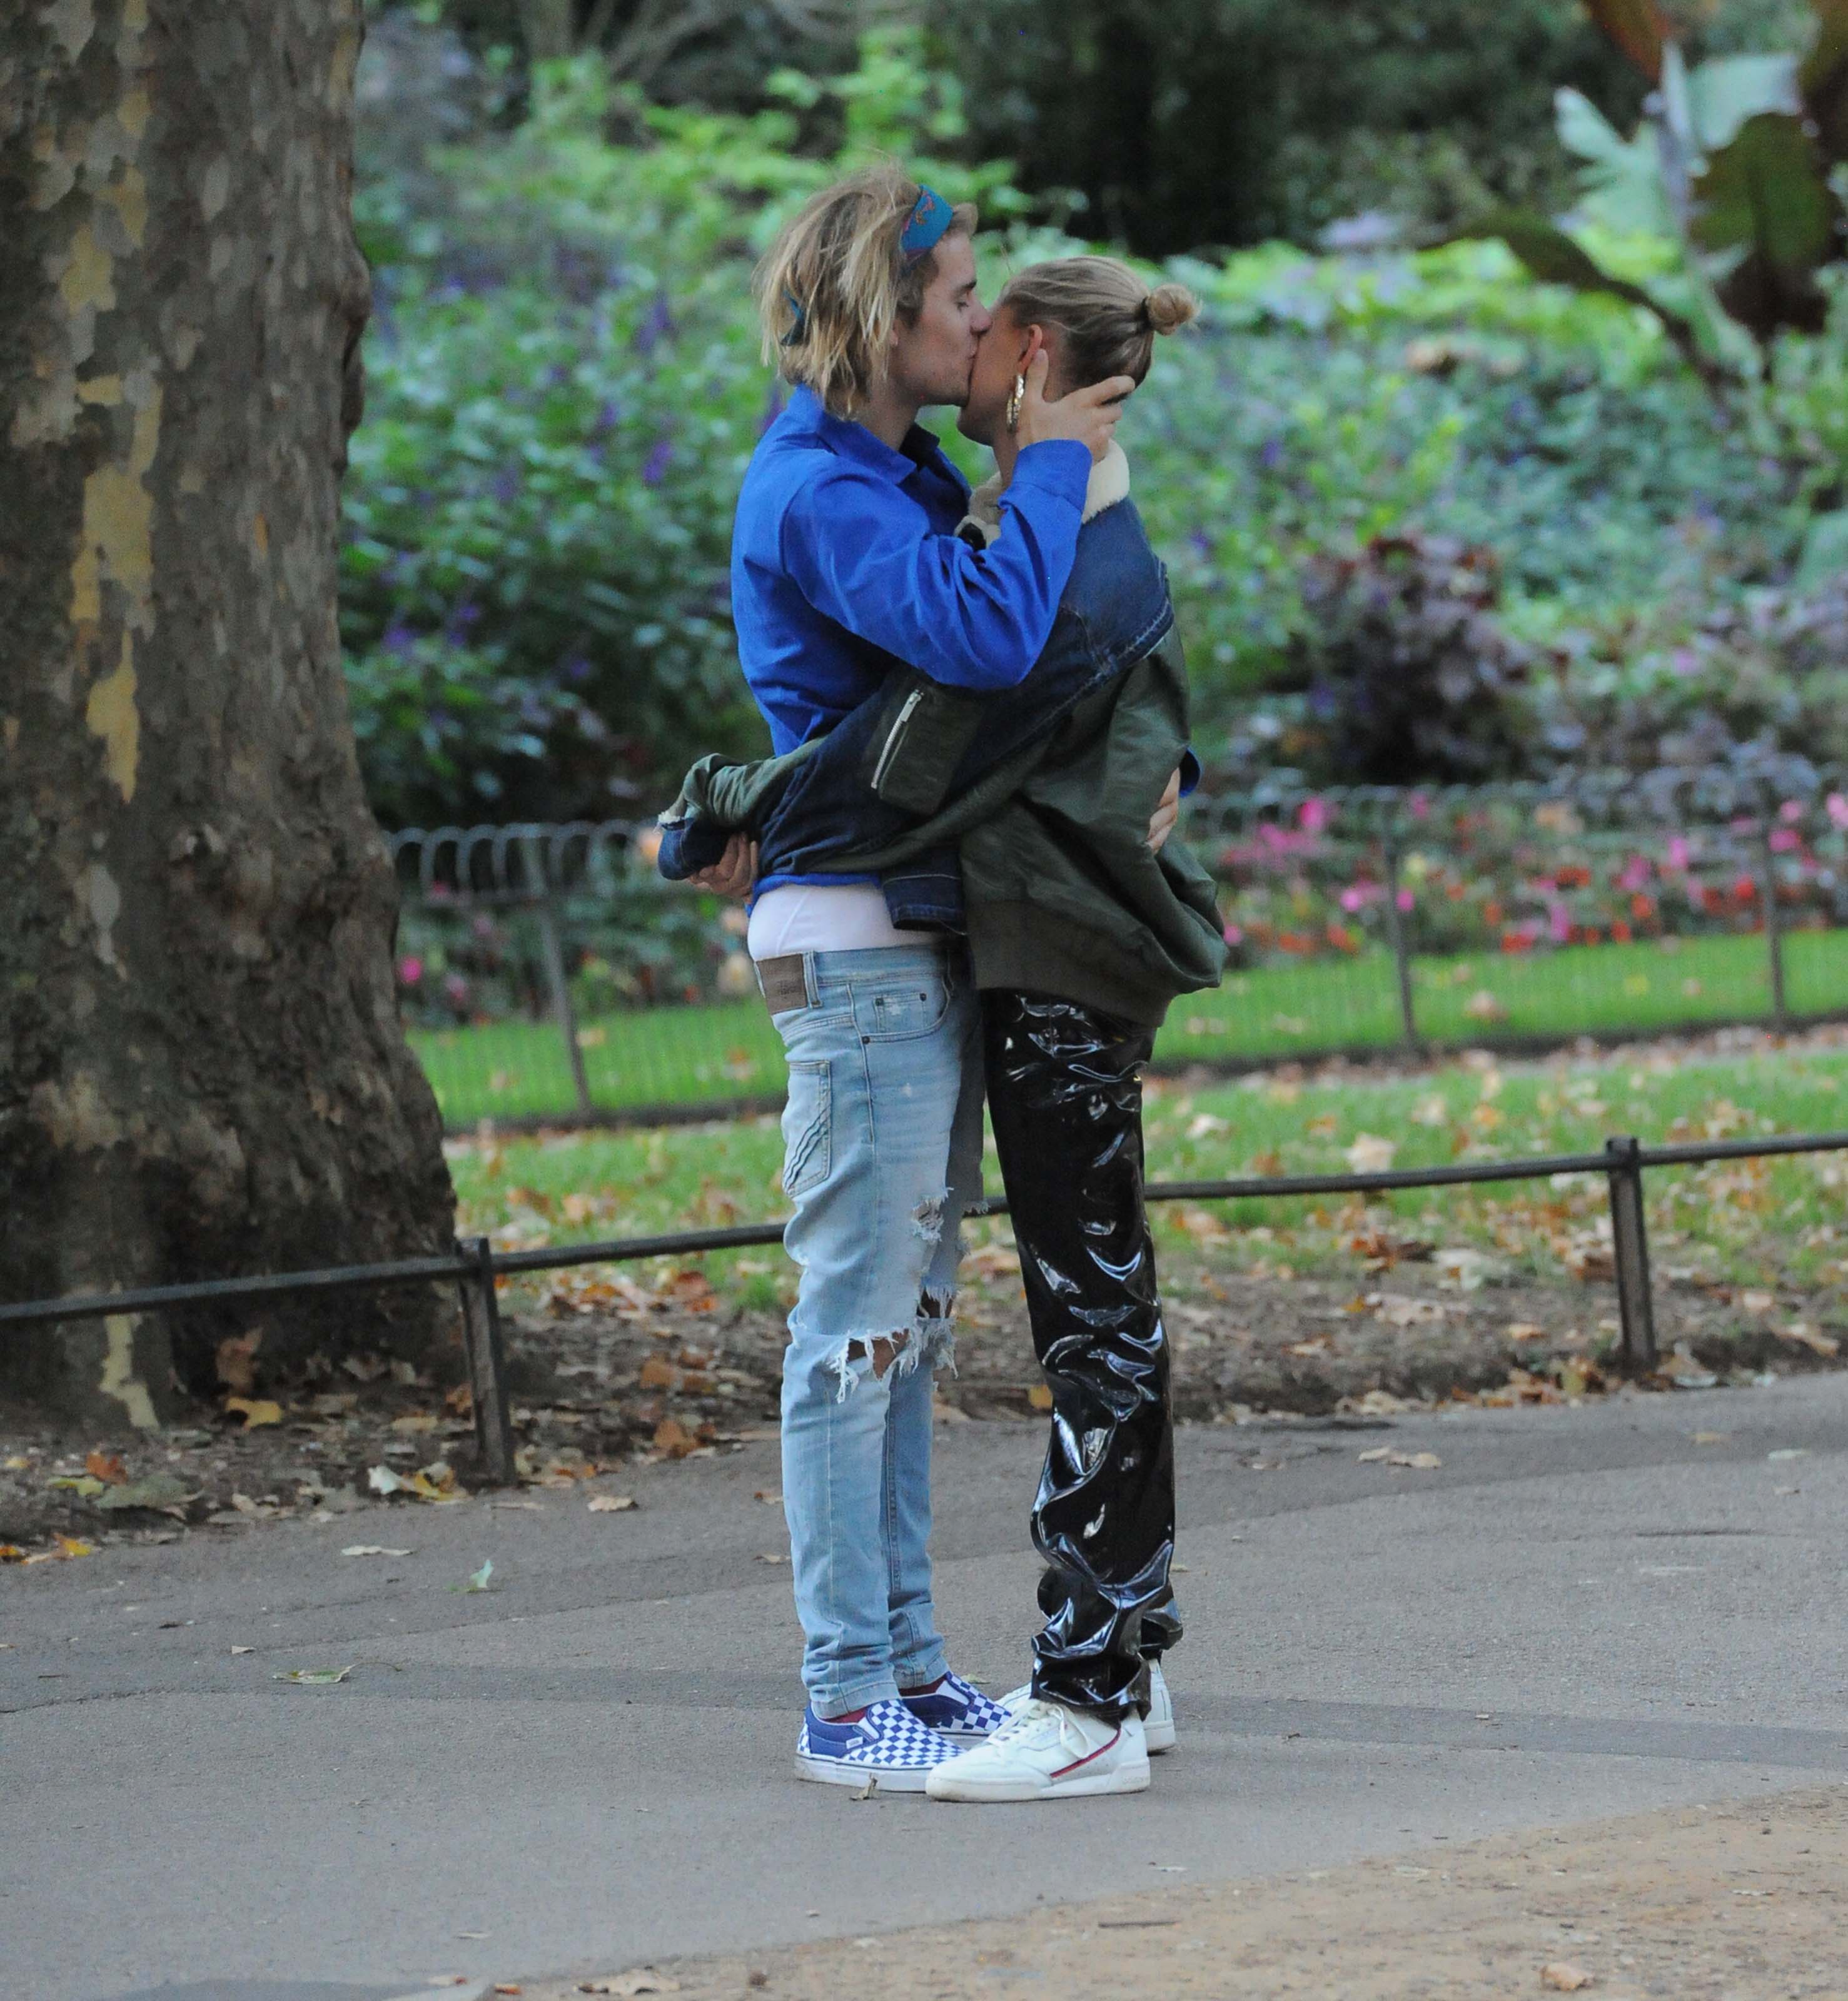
x: 677, y: 1056
x: 1746, y: 1223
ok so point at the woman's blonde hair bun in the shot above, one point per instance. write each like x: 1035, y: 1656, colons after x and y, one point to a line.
x: 1171, y: 307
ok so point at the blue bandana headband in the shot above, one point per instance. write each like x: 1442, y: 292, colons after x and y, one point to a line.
x: 924, y: 229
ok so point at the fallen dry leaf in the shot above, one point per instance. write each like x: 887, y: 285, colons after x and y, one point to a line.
x: 658, y: 1374
x: 1368, y: 1154
x: 106, y: 1466
x: 75, y: 1545
x: 460, y: 1402
x: 243, y: 1650
x: 371, y: 1550
x: 644, y: 1980
x: 1803, y: 1335
x: 1564, y: 1977
x: 314, y: 1677
x: 1524, y: 1330
x: 673, y: 1437
x: 1040, y: 1396
x: 612, y: 1504
x: 255, y: 1411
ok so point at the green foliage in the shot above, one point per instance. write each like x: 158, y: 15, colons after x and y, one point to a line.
x: 565, y: 385
x: 1733, y: 163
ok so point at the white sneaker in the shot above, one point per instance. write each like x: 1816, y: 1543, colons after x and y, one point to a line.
x: 1045, y: 1751
x: 1158, y: 1725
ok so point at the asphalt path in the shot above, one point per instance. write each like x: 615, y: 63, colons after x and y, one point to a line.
x: 1582, y: 1612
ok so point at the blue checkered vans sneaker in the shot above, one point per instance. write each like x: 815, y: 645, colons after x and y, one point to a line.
x: 888, y: 1744
x: 957, y: 1710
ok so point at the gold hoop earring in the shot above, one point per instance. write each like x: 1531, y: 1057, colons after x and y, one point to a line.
x: 1015, y: 402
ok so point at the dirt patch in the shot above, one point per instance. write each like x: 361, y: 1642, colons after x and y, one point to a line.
x: 1732, y: 1903
x: 604, y: 1369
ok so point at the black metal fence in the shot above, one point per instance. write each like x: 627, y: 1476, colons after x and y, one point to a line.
x: 547, y: 975
x: 475, y: 1266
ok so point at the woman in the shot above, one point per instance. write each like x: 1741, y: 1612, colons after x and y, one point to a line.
x: 1021, y: 817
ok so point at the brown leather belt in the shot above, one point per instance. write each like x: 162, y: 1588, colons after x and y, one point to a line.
x: 784, y: 982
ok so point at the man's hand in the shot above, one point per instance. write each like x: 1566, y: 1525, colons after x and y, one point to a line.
x: 734, y: 873
x: 1166, y: 814
x: 1088, y: 415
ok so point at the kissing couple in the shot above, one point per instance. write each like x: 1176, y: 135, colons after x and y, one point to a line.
x: 964, y: 885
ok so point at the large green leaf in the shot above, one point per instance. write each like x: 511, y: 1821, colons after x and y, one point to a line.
x: 1763, y: 202
x: 1557, y: 259
x: 1724, y: 93
x: 1622, y: 178
x: 1639, y: 28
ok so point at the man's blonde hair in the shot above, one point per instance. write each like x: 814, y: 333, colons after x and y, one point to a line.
x: 834, y: 283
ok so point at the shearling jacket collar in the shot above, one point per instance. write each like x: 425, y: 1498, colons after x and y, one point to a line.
x: 1109, y: 483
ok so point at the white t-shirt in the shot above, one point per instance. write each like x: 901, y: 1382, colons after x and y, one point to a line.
x: 816, y: 916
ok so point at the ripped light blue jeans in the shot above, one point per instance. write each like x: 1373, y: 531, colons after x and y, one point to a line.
x: 883, y: 1138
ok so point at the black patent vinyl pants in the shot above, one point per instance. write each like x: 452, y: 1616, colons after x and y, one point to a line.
x: 1065, y: 1095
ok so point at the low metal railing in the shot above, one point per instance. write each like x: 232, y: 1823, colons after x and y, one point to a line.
x: 476, y: 1267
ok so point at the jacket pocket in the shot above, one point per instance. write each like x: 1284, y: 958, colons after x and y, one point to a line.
x: 923, y: 731
x: 808, y: 1148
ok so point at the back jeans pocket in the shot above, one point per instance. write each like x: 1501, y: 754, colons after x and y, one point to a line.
x: 807, y: 1152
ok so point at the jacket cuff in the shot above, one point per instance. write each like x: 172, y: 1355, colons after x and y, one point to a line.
x: 1060, y: 467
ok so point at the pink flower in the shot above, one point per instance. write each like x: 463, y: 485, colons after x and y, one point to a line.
x: 1680, y: 853
x: 1405, y: 900
x: 1352, y: 898
x: 1790, y: 812
x: 1785, y: 838
x: 1419, y: 806
x: 1312, y: 816
x: 409, y: 971
x: 1635, y: 874
x: 1838, y: 809
x: 1559, y: 924
x: 1234, y: 935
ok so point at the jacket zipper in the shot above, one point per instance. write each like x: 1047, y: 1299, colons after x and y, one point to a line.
x: 895, y: 736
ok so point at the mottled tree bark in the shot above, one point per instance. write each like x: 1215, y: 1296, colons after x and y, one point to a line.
x: 201, y: 1069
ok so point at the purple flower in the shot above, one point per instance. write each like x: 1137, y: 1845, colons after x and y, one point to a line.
x: 655, y: 465
x: 1271, y: 456
x: 398, y: 638
x: 657, y: 322
x: 1201, y: 541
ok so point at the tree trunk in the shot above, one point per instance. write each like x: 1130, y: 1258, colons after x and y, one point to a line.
x: 201, y: 1068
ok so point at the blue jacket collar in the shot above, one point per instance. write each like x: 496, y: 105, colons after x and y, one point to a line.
x: 807, y: 413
